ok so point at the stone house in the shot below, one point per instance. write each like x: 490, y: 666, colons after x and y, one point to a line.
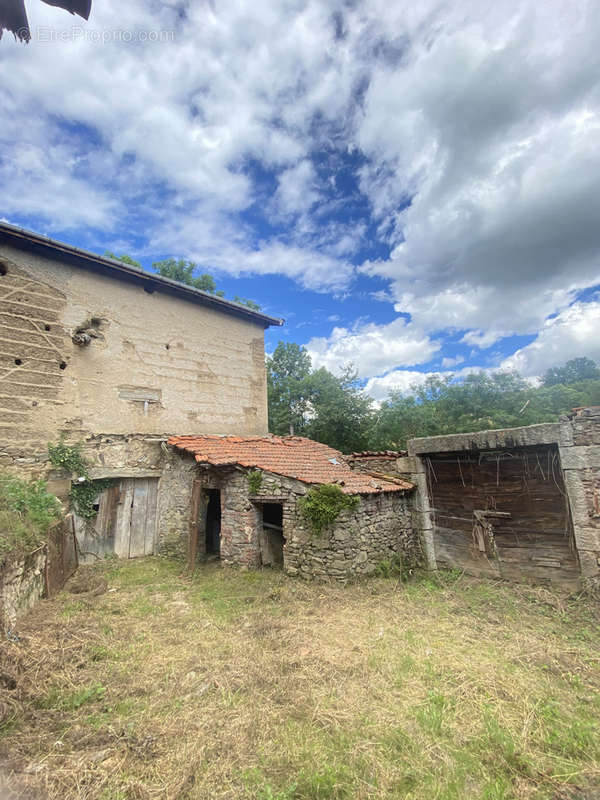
x: 246, y: 507
x: 119, y: 359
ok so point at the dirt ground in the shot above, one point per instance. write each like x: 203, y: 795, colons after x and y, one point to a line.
x: 138, y: 683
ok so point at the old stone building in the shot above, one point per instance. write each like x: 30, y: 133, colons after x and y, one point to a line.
x: 247, y: 507
x: 119, y: 359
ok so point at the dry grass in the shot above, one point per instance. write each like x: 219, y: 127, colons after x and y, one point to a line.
x: 250, y: 685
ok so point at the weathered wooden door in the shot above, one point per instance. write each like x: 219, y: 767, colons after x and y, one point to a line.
x: 125, y: 524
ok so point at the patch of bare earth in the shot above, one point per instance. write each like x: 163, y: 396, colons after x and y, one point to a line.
x: 139, y: 683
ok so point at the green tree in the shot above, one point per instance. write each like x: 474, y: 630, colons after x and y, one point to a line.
x: 185, y: 272
x: 575, y: 370
x: 325, y: 407
x: 340, y: 411
x: 288, y: 370
x: 124, y: 258
x: 245, y: 302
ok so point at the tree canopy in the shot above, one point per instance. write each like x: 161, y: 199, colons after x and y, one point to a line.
x: 184, y: 271
x: 335, y: 410
x: 315, y: 403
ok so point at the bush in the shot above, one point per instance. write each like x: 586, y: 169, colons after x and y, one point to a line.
x: 27, y: 511
x: 321, y: 506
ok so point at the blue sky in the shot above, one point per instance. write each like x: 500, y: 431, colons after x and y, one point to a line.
x: 414, y: 187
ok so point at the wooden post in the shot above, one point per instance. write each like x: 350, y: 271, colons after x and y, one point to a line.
x: 193, y: 526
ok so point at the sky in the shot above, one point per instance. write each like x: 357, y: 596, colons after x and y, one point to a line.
x: 414, y: 187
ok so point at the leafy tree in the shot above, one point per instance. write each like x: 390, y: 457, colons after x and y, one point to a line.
x: 327, y: 408
x: 124, y: 258
x: 184, y: 272
x: 575, y: 370
x: 340, y: 410
x: 478, y: 401
x: 245, y: 302
x: 288, y: 370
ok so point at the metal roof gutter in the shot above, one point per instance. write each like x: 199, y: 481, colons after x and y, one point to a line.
x: 150, y: 282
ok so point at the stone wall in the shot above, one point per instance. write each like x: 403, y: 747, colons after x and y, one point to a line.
x: 579, y: 448
x: 22, y: 585
x: 379, y: 529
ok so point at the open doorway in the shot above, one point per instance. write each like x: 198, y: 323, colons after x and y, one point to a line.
x: 271, y: 535
x: 213, y: 523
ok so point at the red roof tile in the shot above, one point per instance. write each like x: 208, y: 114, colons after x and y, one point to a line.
x: 291, y: 456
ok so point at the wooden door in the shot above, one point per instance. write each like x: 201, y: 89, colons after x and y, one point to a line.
x: 125, y: 524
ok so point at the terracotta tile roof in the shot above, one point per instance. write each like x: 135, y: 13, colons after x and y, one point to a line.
x: 291, y: 456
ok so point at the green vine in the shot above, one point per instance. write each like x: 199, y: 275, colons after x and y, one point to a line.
x: 67, y: 457
x: 84, y: 490
x: 321, y: 506
x: 254, y: 481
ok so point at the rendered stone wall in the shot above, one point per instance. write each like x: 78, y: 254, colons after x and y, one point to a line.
x: 21, y: 587
x: 202, y: 368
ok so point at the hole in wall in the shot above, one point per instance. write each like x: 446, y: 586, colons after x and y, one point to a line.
x: 3, y: 269
x: 18, y: 362
x: 63, y: 365
x: 46, y: 327
x: 149, y: 289
x: 167, y: 347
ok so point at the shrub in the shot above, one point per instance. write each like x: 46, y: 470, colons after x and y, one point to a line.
x: 322, y: 505
x: 27, y: 511
x: 254, y: 481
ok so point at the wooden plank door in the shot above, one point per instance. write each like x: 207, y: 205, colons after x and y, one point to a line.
x: 142, y: 525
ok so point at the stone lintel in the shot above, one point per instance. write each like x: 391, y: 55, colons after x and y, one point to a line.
x: 505, y: 438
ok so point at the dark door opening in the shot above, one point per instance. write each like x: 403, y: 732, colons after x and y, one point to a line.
x: 213, y: 523
x: 272, y: 539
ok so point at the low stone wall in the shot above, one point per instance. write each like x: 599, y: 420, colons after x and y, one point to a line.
x: 379, y: 529
x: 22, y: 585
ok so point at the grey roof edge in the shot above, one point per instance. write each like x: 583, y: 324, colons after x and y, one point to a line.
x: 527, y: 436
x: 53, y: 248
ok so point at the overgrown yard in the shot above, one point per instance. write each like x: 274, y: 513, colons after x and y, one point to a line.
x: 251, y: 685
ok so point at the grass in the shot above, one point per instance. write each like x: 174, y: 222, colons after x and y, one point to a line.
x: 238, y: 684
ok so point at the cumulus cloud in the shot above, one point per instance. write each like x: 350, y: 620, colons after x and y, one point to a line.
x: 571, y: 334
x: 306, y: 139
x: 485, y: 169
x: 372, y: 349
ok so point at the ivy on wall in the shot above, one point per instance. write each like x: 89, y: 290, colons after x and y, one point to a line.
x: 84, y: 490
x: 322, y: 505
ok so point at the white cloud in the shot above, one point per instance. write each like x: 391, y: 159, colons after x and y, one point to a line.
x: 447, y: 363
x: 490, y: 130
x: 372, y: 349
x: 296, y: 191
x: 400, y: 380
x: 571, y: 334
x: 476, y: 127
